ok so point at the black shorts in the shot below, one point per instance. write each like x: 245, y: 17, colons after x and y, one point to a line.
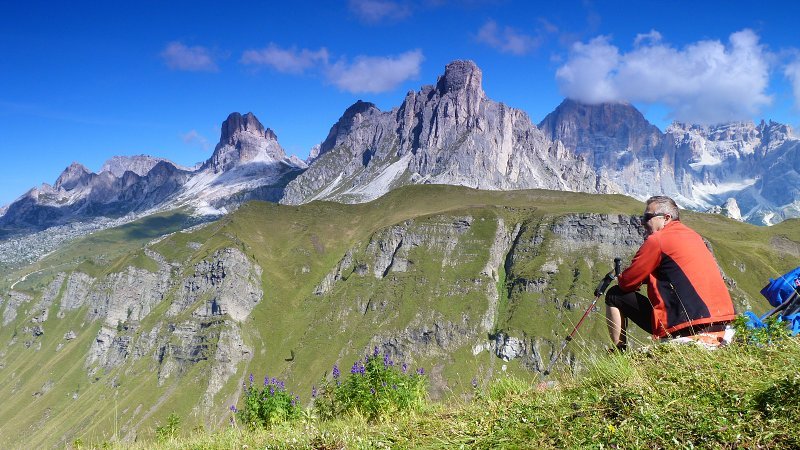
x: 633, y: 305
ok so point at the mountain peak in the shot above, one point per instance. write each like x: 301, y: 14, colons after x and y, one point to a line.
x: 73, y: 175
x: 237, y: 123
x: 601, y: 130
x: 244, y: 139
x: 460, y: 75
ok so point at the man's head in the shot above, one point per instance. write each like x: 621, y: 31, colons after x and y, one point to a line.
x: 658, y: 212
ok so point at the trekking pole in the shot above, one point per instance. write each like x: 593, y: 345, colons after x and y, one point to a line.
x: 601, y: 289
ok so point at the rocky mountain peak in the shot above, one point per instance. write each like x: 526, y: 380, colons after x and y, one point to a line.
x: 460, y: 75
x: 74, y: 175
x: 237, y: 123
x: 351, y: 118
x: 244, y: 139
x: 601, y: 130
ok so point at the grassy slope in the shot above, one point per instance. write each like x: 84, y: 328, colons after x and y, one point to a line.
x: 668, y: 397
x: 296, y: 247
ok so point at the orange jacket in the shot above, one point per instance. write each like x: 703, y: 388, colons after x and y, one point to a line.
x: 684, y: 284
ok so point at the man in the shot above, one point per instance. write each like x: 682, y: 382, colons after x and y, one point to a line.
x: 685, y: 291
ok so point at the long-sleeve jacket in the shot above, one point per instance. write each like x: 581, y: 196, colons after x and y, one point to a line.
x: 684, y: 284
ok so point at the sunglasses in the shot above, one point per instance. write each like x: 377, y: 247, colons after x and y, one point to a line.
x: 647, y: 216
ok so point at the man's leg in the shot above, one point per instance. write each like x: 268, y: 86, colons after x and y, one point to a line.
x: 620, y: 307
x: 617, y: 327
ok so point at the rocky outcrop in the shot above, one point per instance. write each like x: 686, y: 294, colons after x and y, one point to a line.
x: 42, y: 308
x: 13, y: 301
x: 76, y: 293
x: 227, y: 283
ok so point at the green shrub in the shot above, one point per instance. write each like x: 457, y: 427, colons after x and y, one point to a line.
x: 170, y: 429
x: 776, y: 331
x: 269, y: 405
x: 375, y: 388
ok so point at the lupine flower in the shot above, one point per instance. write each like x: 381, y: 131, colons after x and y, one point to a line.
x: 385, y: 360
x: 421, y: 371
x: 251, y: 378
x: 297, y: 399
x: 372, y: 391
x: 266, y: 380
x: 233, y: 408
x: 474, y: 383
x: 294, y: 400
x: 272, y: 390
x: 335, y: 372
x: 313, y: 392
x: 376, y: 352
x: 274, y: 381
x: 394, y: 386
x: 354, y: 370
x: 405, y: 367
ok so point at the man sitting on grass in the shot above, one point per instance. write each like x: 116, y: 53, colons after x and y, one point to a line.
x: 685, y: 291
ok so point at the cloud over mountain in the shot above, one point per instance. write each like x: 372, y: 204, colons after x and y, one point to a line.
x: 375, y: 74
x: 705, y: 82
x: 178, y: 56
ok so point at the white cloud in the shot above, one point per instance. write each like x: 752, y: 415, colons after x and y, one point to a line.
x: 507, y: 40
x: 286, y: 60
x: 792, y: 72
x: 705, y: 82
x: 376, y: 11
x: 195, y: 138
x: 178, y: 56
x: 375, y: 74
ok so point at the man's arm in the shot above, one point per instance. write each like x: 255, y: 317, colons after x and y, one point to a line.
x: 646, y: 260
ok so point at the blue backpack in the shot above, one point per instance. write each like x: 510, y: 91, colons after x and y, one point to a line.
x: 780, y: 289
x: 784, y: 294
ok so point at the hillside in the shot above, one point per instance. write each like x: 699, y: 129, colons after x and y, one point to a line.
x: 110, y: 334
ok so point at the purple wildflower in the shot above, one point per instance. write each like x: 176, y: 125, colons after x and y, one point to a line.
x: 266, y: 380
x: 251, y: 378
x: 372, y: 391
x: 474, y: 383
x: 386, y: 360
x: 313, y: 392
x: 405, y: 368
x: 274, y: 380
x: 376, y: 352
x: 335, y: 372
x: 355, y: 368
x: 233, y: 408
x: 421, y: 371
x: 271, y: 390
x: 394, y: 386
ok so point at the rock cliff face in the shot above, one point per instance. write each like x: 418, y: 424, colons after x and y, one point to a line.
x: 450, y: 133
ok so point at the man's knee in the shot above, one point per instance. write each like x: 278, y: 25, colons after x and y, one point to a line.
x: 613, y: 296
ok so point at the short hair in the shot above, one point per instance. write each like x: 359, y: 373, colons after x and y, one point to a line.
x: 665, y: 205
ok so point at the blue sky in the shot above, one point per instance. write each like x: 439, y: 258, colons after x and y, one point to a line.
x: 84, y: 81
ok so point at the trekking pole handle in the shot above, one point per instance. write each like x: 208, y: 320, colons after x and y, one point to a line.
x: 617, y: 263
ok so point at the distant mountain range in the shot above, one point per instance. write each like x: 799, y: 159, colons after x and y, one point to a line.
x: 447, y: 133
